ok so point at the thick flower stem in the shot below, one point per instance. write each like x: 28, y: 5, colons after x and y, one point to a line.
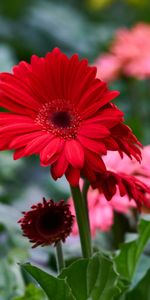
x: 84, y: 195
x: 82, y: 220
x: 59, y: 256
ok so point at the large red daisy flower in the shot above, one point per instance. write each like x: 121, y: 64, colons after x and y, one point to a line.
x: 47, y: 223
x: 61, y: 111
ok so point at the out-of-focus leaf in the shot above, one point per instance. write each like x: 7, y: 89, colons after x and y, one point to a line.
x: 142, y: 268
x: 52, y: 20
x: 11, y: 281
x: 128, y: 258
x: 97, y: 4
x: 138, y: 3
x: 6, y: 58
x: 32, y: 293
x: 14, y: 9
x: 9, y: 216
x: 142, y: 290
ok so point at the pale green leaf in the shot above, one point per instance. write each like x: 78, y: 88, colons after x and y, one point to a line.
x: 128, y: 258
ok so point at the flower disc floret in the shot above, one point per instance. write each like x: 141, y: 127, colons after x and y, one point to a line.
x: 59, y: 118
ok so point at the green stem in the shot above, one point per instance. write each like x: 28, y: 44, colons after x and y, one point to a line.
x: 84, y: 194
x: 82, y: 221
x: 59, y: 256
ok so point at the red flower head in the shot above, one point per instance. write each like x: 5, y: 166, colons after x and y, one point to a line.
x: 47, y: 223
x: 61, y: 111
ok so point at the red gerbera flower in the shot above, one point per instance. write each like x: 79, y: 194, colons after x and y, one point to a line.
x: 61, y: 111
x: 47, y: 223
x: 127, y: 184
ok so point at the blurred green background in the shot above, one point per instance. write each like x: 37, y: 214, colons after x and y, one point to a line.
x: 34, y: 27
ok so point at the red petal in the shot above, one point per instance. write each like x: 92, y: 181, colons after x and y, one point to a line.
x: 60, y: 166
x: 37, y: 144
x: 94, y: 131
x: 74, y: 153
x: 53, y: 147
x: 73, y: 175
x: 19, y: 153
x: 19, y: 128
x: 94, y: 161
x: 94, y: 146
x: 23, y: 139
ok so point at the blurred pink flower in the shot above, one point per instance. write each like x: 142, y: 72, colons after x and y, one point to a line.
x: 101, y: 211
x: 108, y: 67
x: 129, y: 54
x: 141, y: 171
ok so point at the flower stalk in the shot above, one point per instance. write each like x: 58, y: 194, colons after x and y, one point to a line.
x: 59, y: 257
x: 82, y: 220
x: 84, y: 195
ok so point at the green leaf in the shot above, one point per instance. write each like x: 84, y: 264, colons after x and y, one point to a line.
x: 142, y: 268
x: 55, y: 288
x: 93, y: 279
x: 142, y: 290
x: 128, y: 258
x: 32, y: 293
x: 85, y: 279
x: 103, y: 281
x: 76, y: 278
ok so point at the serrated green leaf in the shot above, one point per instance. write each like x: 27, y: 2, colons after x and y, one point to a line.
x: 55, y: 288
x: 128, y: 258
x: 142, y: 290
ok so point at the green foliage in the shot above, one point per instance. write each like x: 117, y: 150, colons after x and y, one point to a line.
x: 32, y: 293
x: 142, y: 290
x: 93, y: 278
x: 55, y: 288
x: 11, y: 281
x: 142, y: 268
x: 127, y: 260
x: 96, y: 278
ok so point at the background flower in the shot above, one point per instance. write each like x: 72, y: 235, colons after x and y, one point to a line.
x: 101, y: 211
x: 129, y: 54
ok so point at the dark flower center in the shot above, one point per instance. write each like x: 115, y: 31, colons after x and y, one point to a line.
x: 61, y: 119
x: 49, y: 222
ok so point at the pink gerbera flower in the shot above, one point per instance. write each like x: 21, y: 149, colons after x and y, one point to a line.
x: 101, y: 211
x: 126, y: 185
x: 62, y: 112
x: 129, y: 54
